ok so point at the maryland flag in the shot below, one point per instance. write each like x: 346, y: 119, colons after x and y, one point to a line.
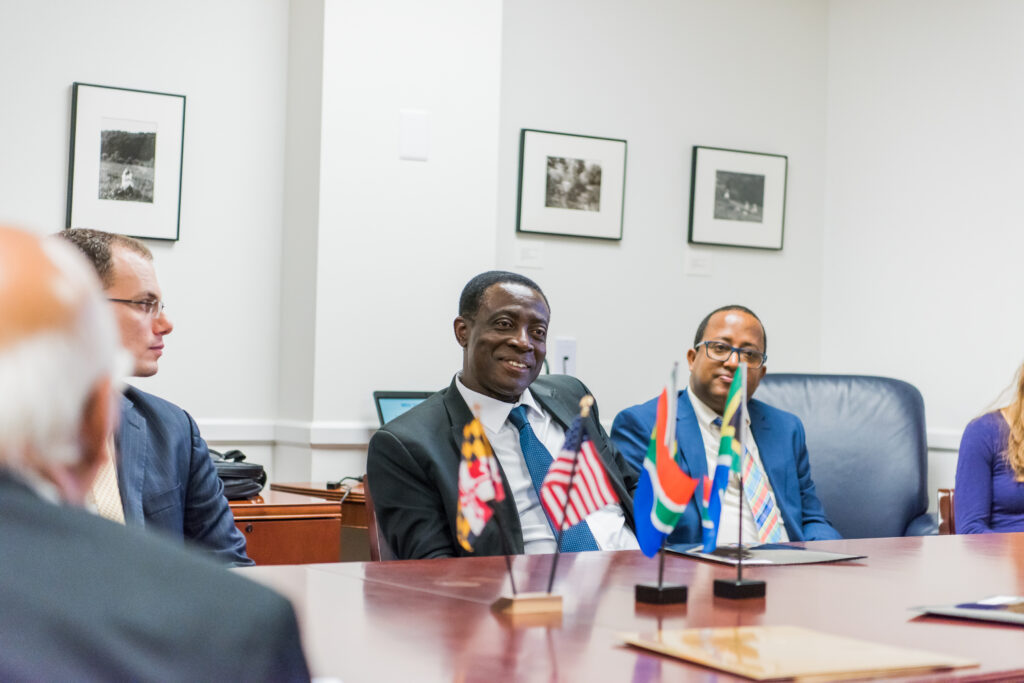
x: 479, y: 483
x: 730, y: 453
x: 664, y: 489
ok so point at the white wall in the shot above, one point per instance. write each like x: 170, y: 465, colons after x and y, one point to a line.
x: 667, y: 75
x: 399, y: 238
x: 922, y: 237
x: 294, y: 300
x: 221, y: 280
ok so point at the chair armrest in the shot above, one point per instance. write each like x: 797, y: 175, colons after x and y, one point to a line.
x: 924, y: 525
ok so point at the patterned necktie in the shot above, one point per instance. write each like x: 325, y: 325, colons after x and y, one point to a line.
x: 538, y: 460
x: 759, y: 497
x: 104, y: 493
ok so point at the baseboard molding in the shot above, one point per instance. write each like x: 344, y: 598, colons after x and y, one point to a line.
x: 357, y: 434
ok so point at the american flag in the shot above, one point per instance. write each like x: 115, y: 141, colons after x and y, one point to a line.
x: 591, y: 489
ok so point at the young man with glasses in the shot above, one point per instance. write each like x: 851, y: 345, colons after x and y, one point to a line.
x: 165, y: 478
x: 777, y: 469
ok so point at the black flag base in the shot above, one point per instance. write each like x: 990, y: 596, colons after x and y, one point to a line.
x: 653, y: 594
x: 739, y: 589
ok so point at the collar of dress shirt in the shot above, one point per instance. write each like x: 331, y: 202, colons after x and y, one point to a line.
x: 494, y: 413
x: 705, y: 415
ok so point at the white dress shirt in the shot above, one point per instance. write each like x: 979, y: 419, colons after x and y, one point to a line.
x: 608, y: 525
x: 728, y: 525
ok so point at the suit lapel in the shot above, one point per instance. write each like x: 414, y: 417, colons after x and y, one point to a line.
x: 767, y: 446
x: 133, y: 439
x: 554, y: 404
x: 692, y: 454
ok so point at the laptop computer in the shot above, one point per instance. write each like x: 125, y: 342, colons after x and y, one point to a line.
x: 391, y: 404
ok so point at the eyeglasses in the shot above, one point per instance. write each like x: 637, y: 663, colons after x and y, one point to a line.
x: 721, y: 352
x: 154, y: 308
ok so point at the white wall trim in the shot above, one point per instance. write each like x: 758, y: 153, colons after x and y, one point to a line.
x: 348, y: 434
x: 292, y: 432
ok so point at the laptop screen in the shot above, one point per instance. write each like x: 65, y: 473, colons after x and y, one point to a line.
x: 391, y: 404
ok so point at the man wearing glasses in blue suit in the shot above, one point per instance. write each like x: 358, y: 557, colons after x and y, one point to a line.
x: 777, y: 472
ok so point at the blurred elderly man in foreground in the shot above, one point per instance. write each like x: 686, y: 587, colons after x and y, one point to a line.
x: 81, y: 597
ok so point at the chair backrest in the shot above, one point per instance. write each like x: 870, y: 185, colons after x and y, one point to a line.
x: 947, y: 516
x: 380, y: 551
x: 868, y: 449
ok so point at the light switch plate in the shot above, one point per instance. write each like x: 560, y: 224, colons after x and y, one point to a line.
x: 414, y: 134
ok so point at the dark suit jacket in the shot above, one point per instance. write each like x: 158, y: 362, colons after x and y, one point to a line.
x: 413, y: 472
x: 85, y: 599
x: 780, y: 443
x: 167, y: 479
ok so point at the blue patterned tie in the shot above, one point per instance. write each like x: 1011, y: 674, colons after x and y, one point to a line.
x: 538, y: 460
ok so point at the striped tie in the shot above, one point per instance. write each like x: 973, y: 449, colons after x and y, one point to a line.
x: 759, y: 497
x: 762, y: 502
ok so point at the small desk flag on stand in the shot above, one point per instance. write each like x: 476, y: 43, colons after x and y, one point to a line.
x: 731, y: 453
x: 479, y: 483
x: 590, y: 489
x: 661, y: 496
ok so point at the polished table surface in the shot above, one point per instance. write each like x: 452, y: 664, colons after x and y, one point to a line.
x: 431, y: 620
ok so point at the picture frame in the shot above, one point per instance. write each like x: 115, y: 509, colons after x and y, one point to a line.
x: 125, y: 161
x: 737, y: 198
x: 573, y: 185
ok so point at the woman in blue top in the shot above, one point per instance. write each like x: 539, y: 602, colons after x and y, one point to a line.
x: 990, y: 470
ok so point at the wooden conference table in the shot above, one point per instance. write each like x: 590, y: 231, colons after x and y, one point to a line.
x: 430, y: 620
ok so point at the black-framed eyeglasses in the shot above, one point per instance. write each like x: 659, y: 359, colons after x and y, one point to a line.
x: 721, y: 352
x: 154, y: 308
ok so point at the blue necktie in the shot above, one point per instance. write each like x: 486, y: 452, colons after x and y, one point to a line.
x: 538, y: 460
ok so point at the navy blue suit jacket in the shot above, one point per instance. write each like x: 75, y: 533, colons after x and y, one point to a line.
x: 167, y: 479
x: 780, y: 442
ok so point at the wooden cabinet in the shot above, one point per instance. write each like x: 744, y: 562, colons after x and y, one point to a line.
x: 355, y: 544
x: 286, y: 528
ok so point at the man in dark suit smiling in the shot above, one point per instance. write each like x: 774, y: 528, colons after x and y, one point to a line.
x: 413, y: 461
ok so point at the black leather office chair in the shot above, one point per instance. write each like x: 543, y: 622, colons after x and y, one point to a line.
x: 868, y: 449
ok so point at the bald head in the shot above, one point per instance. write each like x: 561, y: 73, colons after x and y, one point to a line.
x: 35, y: 296
x: 58, y: 352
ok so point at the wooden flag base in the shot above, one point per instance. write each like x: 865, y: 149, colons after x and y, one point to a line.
x: 653, y: 594
x: 739, y: 590
x: 528, y: 603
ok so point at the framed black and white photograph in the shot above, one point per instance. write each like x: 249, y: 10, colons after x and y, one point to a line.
x: 571, y: 184
x: 737, y: 199
x: 124, y: 167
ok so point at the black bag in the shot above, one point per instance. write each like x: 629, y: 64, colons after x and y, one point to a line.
x: 241, y: 479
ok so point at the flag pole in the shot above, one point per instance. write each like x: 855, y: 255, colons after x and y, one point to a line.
x: 739, y: 533
x: 585, y: 403
x: 496, y: 482
x: 661, y: 563
x: 661, y: 594
x: 505, y: 548
x: 520, y: 604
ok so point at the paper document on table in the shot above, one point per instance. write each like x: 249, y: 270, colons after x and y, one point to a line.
x: 767, y: 554
x: 1008, y: 609
x: 766, y: 653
